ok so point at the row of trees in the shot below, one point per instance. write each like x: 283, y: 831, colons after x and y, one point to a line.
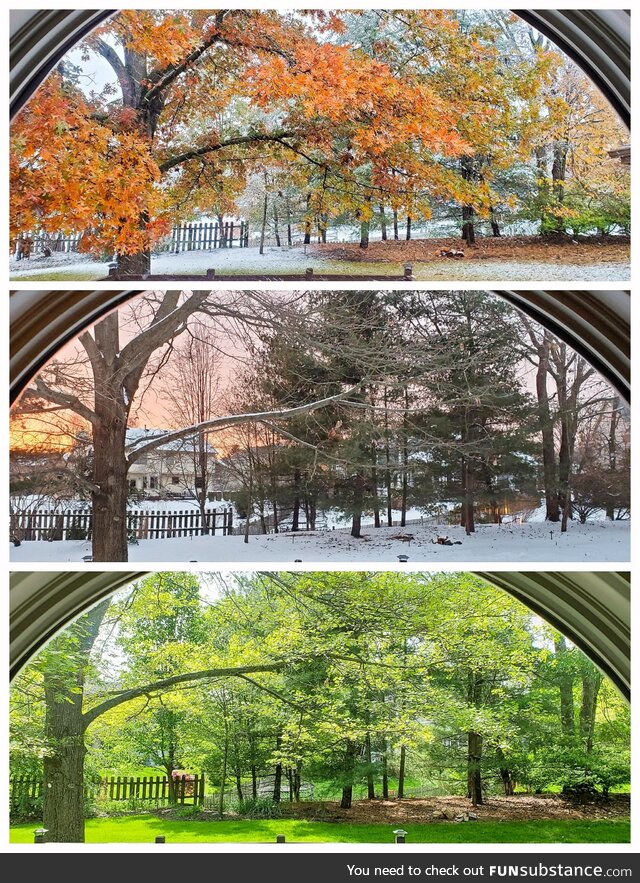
x: 354, y: 401
x: 304, y: 119
x: 342, y: 679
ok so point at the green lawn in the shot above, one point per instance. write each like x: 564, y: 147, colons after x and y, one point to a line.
x: 144, y: 829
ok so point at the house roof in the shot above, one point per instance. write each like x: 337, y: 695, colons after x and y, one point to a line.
x: 136, y: 437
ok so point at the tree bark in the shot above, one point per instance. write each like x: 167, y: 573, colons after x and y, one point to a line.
x: 64, y: 728
x: 349, y: 763
x: 383, y: 223
x: 401, y: 771
x: 565, y: 687
x: 371, y: 788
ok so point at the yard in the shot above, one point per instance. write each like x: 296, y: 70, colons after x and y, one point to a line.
x: 145, y: 828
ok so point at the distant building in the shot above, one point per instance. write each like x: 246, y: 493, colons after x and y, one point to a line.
x: 173, y: 469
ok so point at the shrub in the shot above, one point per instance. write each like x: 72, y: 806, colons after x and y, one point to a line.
x: 259, y: 808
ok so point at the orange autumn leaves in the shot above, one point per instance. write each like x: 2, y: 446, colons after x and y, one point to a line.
x: 70, y: 172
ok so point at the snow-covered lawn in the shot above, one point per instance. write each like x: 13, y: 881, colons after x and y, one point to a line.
x: 294, y: 260
x: 598, y: 541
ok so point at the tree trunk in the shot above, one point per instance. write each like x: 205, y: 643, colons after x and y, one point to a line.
x: 63, y: 764
x: 385, y: 771
x: 387, y: 462
x: 263, y: 228
x: 495, y: 227
x: 396, y: 234
x: 565, y: 686
x: 383, y: 223
x: 474, y: 770
x: 474, y: 743
x: 109, y: 497
x: 468, y: 227
x: 347, y: 788
x: 289, y: 236
x: 307, y: 222
x: 364, y: 234
x: 408, y: 227
x: 549, y: 466
x: 467, y: 519
x: 405, y: 460
x: 138, y: 264
x: 358, y: 501
x: 64, y: 728
x: 276, y: 228
x: 277, y: 779
x: 401, y: 771
x: 612, y: 449
x: 371, y: 788
x: 591, y: 682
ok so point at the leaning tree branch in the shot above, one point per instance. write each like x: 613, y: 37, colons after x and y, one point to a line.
x: 122, y: 696
x: 233, y: 420
x: 254, y: 137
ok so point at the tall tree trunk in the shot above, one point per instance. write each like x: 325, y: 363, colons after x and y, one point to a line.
x: 405, y: 460
x: 474, y: 743
x: 263, y: 227
x: 565, y: 687
x: 371, y: 788
x: 358, y: 502
x: 408, y: 227
x: 349, y: 764
x: 63, y: 764
x: 591, y: 683
x: 546, y: 422
x: 612, y: 450
x: 383, y: 223
x: 558, y: 175
x: 307, y: 222
x: 295, y: 523
x: 276, y: 228
x: 387, y: 461
x: 64, y: 728
x: 289, y: 236
x: 401, y: 771
x: 468, y: 226
x: 495, y: 227
x: 385, y: 771
x: 109, y: 496
x: 396, y: 234
x: 277, y: 779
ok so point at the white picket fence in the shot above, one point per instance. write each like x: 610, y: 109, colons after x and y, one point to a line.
x: 142, y: 524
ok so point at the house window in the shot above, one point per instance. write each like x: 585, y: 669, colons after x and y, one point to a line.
x: 132, y: 484
x: 175, y: 479
x: 153, y: 482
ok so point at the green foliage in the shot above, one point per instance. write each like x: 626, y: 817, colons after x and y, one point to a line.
x: 258, y: 808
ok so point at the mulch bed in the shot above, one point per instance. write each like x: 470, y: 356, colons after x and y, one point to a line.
x: 593, y: 250
x: 522, y: 807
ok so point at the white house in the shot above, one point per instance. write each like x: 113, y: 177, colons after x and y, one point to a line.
x: 172, y: 469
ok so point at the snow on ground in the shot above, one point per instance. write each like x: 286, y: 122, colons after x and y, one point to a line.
x: 294, y: 260
x: 598, y: 541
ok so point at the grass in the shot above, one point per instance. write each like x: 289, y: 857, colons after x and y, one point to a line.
x: 57, y: 276
x: 144, y: 829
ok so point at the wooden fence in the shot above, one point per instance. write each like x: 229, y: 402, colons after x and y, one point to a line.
x: 54, y: 242
x: 142, y: 524
x: 152, y: 789
x: 205, y: 236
